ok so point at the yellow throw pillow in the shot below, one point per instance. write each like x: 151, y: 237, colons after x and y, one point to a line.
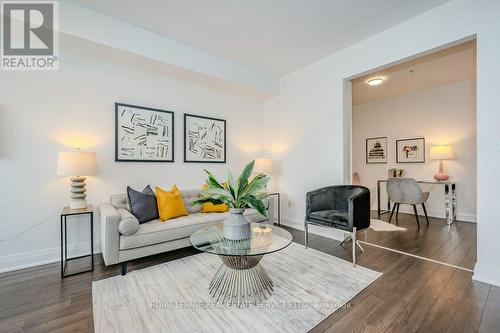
x: 209, y: 207
x: 170, y: 204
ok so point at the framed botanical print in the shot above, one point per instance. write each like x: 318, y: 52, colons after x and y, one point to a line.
x: 143, y: 134
x: 410, y: 150
x: 204, y: 139
x: 376, y: 150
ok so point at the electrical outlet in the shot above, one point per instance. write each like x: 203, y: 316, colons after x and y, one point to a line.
x: 289, y: 203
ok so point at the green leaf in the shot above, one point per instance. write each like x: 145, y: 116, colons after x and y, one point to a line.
x: 257, y: 204
x: 255, y: 185
x: 212, y: 182
x: 205, y: 200
x: 243, y: 178
x: 231, y: 185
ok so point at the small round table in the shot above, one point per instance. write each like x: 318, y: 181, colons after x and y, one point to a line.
x: 241, y: 279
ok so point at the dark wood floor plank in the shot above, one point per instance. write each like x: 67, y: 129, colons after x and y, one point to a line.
x: 490, y: 321
x: 471, y: 307
x: 411, y: 295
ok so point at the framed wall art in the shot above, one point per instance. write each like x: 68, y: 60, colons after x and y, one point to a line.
x: 410, y: 150
x: 204, y: 139
x: 376, y: 150
x: 143, y: 134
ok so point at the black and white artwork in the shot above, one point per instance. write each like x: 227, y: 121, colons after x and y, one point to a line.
x: 410, y: 150
x: 143, y: 134
x: 204, y: 139
x: 376, y: 150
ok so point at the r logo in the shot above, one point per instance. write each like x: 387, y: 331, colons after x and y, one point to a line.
x: 29, y: 35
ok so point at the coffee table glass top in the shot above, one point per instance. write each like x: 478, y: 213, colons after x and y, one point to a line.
x: 265, y: 238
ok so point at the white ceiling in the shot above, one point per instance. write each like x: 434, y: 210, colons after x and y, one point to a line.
x: 457, y: 63
x: 273, y: 36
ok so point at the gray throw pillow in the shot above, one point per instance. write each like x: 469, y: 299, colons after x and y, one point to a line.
x: 129, y: 224
x: 143, y: 204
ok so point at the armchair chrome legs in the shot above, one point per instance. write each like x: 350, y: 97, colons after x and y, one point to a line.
x: 352, y: 236
x: 306, y: 235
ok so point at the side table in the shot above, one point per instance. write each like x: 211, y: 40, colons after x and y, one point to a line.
x: 277, y: 194
x: 64, y: 238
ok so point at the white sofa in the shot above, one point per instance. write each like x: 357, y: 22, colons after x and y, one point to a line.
x: 154, y: 236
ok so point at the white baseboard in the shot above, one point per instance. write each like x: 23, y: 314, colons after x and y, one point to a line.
x: 487, y: 274
x: 321, y: 231
x: 41, y: 257
x: 466, y: 217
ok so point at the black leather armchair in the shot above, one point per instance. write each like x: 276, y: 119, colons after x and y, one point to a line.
x: 343, y: 207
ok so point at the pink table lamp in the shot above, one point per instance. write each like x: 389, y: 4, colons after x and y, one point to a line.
x: 441, y: 153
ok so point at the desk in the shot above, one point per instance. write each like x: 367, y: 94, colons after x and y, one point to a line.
x: 450, y: 198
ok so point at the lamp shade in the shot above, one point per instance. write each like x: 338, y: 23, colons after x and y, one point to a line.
x: 263, y: 165
x: 441, y: 153
x: 76, y: 163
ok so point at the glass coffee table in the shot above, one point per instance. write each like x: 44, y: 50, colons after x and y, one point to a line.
x: 240, y: 278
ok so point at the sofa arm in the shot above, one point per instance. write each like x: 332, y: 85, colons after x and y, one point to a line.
x: 110, y: 236
x: 359, y: 210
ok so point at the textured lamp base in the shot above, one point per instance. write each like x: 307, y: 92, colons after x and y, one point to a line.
x: 441, y: 176
x: 241, y: 280
x: 78, y: 196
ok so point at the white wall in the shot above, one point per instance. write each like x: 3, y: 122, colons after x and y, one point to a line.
x: 305, y: 123
x: 442, y: 115
x: 42, y: 113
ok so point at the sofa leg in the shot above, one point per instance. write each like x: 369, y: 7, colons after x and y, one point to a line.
x: 124, y: 268
x: 354, y: 241
x: 306, y: 235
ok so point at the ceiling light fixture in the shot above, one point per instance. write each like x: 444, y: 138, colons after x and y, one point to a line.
x: 375, y: 81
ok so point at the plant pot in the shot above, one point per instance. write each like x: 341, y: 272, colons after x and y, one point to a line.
x: 236, y: 226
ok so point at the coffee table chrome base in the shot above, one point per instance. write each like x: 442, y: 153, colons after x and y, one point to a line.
x: 240, y: 280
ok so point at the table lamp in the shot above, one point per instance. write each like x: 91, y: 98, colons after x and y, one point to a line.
x: 263, y: 165
x: 77, y: 164
x: 441, y: 153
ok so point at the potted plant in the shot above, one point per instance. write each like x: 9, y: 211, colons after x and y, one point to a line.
x: 237, y: 194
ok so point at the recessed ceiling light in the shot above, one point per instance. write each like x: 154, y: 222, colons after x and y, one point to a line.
x: 375, y: 81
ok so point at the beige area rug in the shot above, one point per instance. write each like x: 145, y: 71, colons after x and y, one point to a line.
x: 173, y: 297
x: 379, y: 225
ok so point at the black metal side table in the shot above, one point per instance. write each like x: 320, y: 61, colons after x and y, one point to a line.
x: 277, y: 194
x: 64, y: 238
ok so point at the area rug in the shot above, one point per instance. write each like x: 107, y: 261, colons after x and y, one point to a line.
x: 379, y: 225
x: 173, y: 297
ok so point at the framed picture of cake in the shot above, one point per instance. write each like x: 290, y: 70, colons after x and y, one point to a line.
x: 410, y: 150
x: 376, y: 150
x: 143, y: 134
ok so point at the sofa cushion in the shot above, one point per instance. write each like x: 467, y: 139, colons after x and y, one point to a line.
x: 330, y: 216
x: 129, y: 224
x: 188, y: 197
x: 143, y: 204
x: 154, y: 232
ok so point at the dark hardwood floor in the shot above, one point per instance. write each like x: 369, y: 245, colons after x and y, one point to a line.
x: 412, y: 294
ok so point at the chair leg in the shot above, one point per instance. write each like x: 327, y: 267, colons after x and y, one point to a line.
x: 360, y: 247
x: 306, y: 235
x: 345, y: 240
x: 392, y: 211
x: 416, y: 215
x: 124, y: 268
x: 425, y: 212
x: 354, y: 246
x: 397, y: 214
